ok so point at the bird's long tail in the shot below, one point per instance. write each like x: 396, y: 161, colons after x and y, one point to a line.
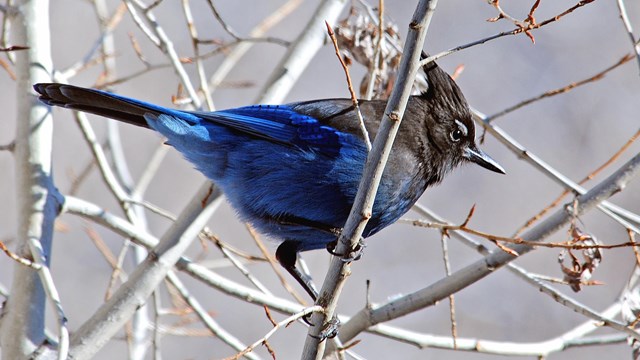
x: 100, y: 103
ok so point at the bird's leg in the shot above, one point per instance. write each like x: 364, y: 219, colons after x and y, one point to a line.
x: 287, y: 255
x: 330, y: 330
x: 353, y: 255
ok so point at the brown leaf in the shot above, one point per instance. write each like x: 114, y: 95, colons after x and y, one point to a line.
x: 358, y: 38
x: 580, y: 271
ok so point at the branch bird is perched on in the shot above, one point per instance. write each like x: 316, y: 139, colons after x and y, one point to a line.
x: 293, y: 170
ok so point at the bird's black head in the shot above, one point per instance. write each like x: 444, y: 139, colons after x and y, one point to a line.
x: 451, y: 130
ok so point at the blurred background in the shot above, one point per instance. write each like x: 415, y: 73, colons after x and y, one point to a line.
x: 574, y: 132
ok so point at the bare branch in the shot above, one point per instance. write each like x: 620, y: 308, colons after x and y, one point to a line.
x: 363, y: 203
x: 96, y: 332
x: 627, y: 25
x: 493, y: 261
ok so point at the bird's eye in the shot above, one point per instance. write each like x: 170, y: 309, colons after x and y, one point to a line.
x: 456, y: 135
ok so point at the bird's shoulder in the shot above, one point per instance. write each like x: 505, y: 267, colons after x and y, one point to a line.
x: 341, y: 114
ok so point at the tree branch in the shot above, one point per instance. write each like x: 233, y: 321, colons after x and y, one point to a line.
x: 107, y: 320
x: 363, y: 203
x: 496, y: 259
x: 23, y: 318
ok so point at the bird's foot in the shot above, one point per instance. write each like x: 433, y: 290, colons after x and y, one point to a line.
x: 307, y: 319
x: 329, y: 331
x: 353, y: 255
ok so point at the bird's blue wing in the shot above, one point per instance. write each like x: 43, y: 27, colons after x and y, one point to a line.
x: 282, y: 124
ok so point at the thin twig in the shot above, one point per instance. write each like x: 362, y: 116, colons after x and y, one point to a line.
x: 476, y: 271
x: 224, y: 24
x: 7, y: 67
x: 561, y: 90
x: 162, y: 41
x: 505, y: 33
x: 354, y: 98
x: 204, y: 316
x: 131, y: 76
x: 241, y: 48
x: 196, y: 52
x: 516, y: 240
x: 592, y: 175
x: 447, y: 270
x: 277, y: 269
x: 284, y: 323
x: 236, y: 263
x: 13, y: 256
x: 627, y: 25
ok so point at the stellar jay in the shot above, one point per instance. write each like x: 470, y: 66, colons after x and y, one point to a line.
x: 292, y: 171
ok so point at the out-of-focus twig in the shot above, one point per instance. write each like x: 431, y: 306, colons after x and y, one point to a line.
x: 206, y: 93
x: 204, y: 316
x: 561, y: 90
x: 241, y: 48
x: 300, y: 53
x: 158, y: 36
x: 627, y: 25
x: 593, y: 174
x: 284, y: 323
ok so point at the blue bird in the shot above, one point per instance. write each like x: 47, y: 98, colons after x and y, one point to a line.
x: 292, y: 171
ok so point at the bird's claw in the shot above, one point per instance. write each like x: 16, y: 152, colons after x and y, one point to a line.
x: 307, y: 319
x: 329, y: 331
x: 353, y: 255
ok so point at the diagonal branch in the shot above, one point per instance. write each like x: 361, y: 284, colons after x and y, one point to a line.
x: 300, y: 53
x: 459, y: 280
x: 108, y: 320
x: 363, y: 204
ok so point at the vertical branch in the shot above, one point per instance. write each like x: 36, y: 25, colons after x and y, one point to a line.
x: 22, y: 328
x: 363, y: 204
x: 374, y: 68
x: 444, y: 236
x: 627, y: 25
x: 191, y: 25
x: 6, y: 27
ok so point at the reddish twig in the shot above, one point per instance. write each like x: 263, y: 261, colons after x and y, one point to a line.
x: 563, y: 89
x: 593, y: 174
x: 516, y: 240
x: 354, y: 99
x: 19, y: 259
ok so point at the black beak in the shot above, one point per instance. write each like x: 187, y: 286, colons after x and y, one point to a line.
x: 479, y: 157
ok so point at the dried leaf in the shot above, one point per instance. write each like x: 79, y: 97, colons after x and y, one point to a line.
x: 580, y: 271
x: 358, y: 36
